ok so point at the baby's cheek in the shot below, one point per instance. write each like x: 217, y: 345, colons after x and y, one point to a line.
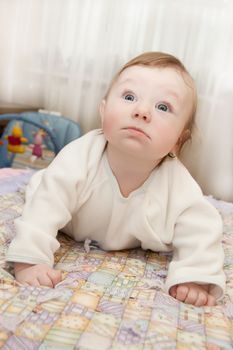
x: 108, y: 126
x: 169, y: 136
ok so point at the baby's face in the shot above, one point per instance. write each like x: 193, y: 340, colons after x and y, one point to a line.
x: 146, y: 111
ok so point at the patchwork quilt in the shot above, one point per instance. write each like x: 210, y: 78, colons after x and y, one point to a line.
x: 106, y: 300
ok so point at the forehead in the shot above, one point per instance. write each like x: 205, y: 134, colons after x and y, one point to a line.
x: 163, y: 77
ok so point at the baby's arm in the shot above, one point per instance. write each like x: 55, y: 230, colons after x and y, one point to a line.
x: 51, y: 196
x: 197, y: 264
x: 36, y: 275
x: 193, y: 293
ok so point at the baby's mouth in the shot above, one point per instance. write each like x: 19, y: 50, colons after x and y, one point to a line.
x: 137, y: 130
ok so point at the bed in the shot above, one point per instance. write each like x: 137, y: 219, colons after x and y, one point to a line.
x: 106, y: 300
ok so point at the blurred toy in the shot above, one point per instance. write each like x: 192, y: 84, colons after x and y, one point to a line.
x: 37, y: 147
x: 15, y: 140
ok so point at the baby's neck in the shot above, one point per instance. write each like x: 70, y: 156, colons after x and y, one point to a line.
x: 130, y: 172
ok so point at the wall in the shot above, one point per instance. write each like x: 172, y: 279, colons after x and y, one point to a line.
x: 61, y: 54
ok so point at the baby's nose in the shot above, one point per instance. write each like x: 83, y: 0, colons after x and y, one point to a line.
x: 142, y: 114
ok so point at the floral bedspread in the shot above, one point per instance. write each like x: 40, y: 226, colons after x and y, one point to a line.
x: 106, y: 300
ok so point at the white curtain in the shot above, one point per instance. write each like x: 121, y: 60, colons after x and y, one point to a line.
x: 61, y: 54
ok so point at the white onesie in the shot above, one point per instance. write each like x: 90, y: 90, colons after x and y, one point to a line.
x: 79, y: 195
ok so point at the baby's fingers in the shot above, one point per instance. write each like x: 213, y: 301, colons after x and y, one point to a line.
x: 172, y: 291
x: 55, y: 276
x: 201, y: 299
x: 211, y: 300
x: 45, y: 280
x: 182, y: 292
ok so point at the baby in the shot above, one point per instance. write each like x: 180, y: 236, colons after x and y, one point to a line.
x: 124, y: 187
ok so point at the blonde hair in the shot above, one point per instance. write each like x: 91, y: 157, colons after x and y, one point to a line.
x: 163, y: 60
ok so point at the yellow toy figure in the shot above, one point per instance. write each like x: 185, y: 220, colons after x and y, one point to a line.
x: 16, y: 139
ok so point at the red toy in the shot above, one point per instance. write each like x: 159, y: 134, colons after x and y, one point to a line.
x: 15, y: 140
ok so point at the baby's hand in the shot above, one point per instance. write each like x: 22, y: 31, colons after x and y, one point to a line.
x: 192, y: 293
x: 36, y: 275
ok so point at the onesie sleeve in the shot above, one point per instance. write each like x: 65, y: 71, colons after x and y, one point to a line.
x: 197, y: 250
x: 50, y: 208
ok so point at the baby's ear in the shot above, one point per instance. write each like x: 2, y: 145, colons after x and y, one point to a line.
x: 102, y: 109
x: 185, y: 135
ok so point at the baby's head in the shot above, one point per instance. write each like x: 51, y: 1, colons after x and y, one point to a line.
x: 152, y: 87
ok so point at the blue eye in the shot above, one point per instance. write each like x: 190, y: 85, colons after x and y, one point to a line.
x: 129, y: 97
x: 162, y: 107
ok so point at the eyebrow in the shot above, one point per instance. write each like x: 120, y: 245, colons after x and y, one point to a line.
x: 169, y: 92
x: 173, y: 94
